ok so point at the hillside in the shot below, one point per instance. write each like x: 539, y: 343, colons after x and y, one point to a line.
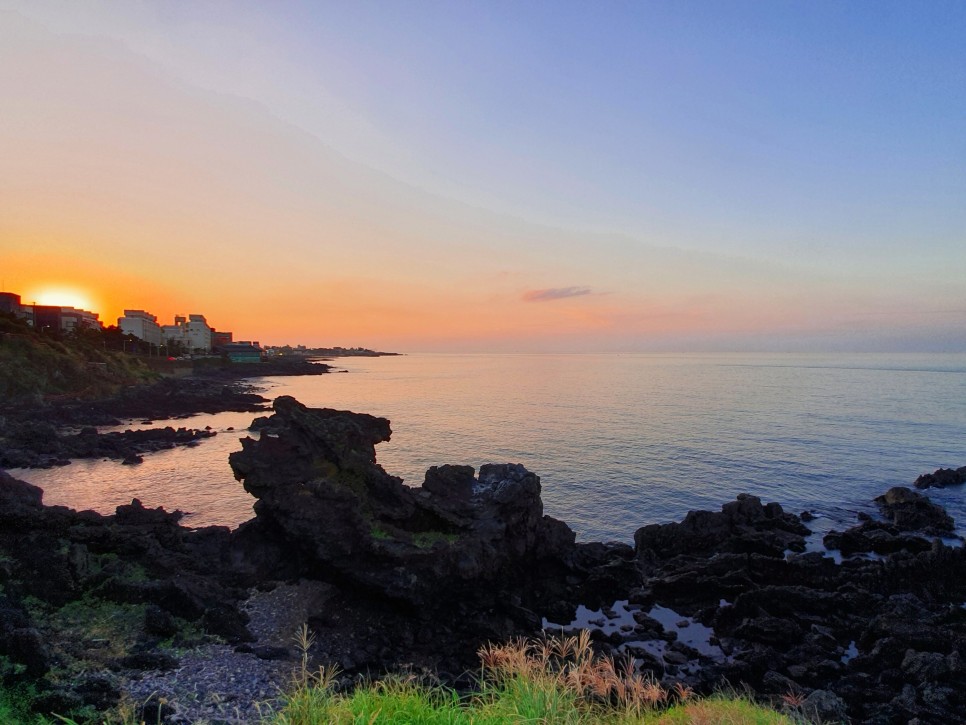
x: 35, y: 366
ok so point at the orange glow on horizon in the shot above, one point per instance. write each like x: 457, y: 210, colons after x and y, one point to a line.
x: 384, y: 313
x: 62, y: 296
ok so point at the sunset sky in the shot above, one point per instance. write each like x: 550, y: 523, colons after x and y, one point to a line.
x: 494, y: 175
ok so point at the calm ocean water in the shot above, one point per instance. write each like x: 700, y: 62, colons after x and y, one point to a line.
x: 619, y: 441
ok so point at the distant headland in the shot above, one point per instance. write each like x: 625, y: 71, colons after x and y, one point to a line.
x: 302, y: 350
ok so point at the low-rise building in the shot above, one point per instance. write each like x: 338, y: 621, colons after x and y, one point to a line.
x: 242, y: 352
x: 219, y: 339
x: 10, y: 303
x: 45, y: 318
x: 51, y: 318
x: 142, y: 325
x: 72, y: 319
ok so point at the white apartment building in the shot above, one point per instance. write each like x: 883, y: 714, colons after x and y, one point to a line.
x: 175, y: 332
x: 142, y: 325
x: 193, y: 332
x: 198, y: 333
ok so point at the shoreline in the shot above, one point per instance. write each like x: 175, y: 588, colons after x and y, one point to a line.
x: 783, y: 620
x: 51, y: 434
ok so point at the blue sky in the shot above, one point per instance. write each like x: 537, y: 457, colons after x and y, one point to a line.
x: 740, y: 123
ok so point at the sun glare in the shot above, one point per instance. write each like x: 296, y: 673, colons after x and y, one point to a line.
x: 62, y: 297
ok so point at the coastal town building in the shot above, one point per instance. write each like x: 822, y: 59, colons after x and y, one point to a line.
x: 175, y: 332
x: 72, y: 319
x: 198, y: 333
x: 142, y: 325
x: 243, y: 351
x: 44, y: 317
x: 10, y: 303
x: 51, y: 318
x: 192, y: 332
x: 219, y: 339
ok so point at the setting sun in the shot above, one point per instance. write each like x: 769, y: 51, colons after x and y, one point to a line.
x: 62, y: 297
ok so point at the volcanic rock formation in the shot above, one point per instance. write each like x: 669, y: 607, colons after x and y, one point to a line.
x: 321, y: 492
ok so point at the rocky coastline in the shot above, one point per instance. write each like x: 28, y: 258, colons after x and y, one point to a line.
x: 42, y: 434
x: 96, y: 608
x: 37, y: 433
x: 271, y: 367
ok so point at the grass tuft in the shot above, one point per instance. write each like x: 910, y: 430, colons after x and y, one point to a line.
x: 553, y: 680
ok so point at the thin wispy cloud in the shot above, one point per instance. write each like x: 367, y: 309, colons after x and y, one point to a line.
x: 555, y: 293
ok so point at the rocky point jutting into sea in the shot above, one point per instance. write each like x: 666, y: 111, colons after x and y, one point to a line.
x: 387, y: 576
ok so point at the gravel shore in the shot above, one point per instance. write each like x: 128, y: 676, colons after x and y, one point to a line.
x: 218, y: 683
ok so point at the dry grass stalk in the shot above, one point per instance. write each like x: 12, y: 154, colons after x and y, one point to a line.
x: 571, y: 664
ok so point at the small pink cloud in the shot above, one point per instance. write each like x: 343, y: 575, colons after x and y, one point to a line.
x: 554, y: 293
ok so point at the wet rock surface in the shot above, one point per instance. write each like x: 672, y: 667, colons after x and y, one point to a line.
x: 743, y: 526
x: 33, y: 446
x: 910, y: 521
x: 942, y: 478
x: 388, y: 576
x: 907, y: 510
x: 837, y: 635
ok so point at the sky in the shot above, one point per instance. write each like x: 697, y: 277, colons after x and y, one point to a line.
x: 494, y: 176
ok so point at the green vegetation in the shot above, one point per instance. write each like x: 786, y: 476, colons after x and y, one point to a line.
x: 9, y: 667
x: 15, y: 707
x: 380, y: 534
x: 426, y: 539
x: 86, y: 363
x: 546, y: 681
x: 113, y: 564
x: 421, y: 540
x: 108, y: 629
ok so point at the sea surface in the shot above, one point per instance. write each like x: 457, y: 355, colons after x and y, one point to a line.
x: 618, y: 441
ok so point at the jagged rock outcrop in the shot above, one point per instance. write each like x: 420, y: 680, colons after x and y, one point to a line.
x: 942, y: 477
x: 910, y: 511
x: 908, y: 518
x: 865, y: 640
x: 743, y: 526
x: 320, y: 490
